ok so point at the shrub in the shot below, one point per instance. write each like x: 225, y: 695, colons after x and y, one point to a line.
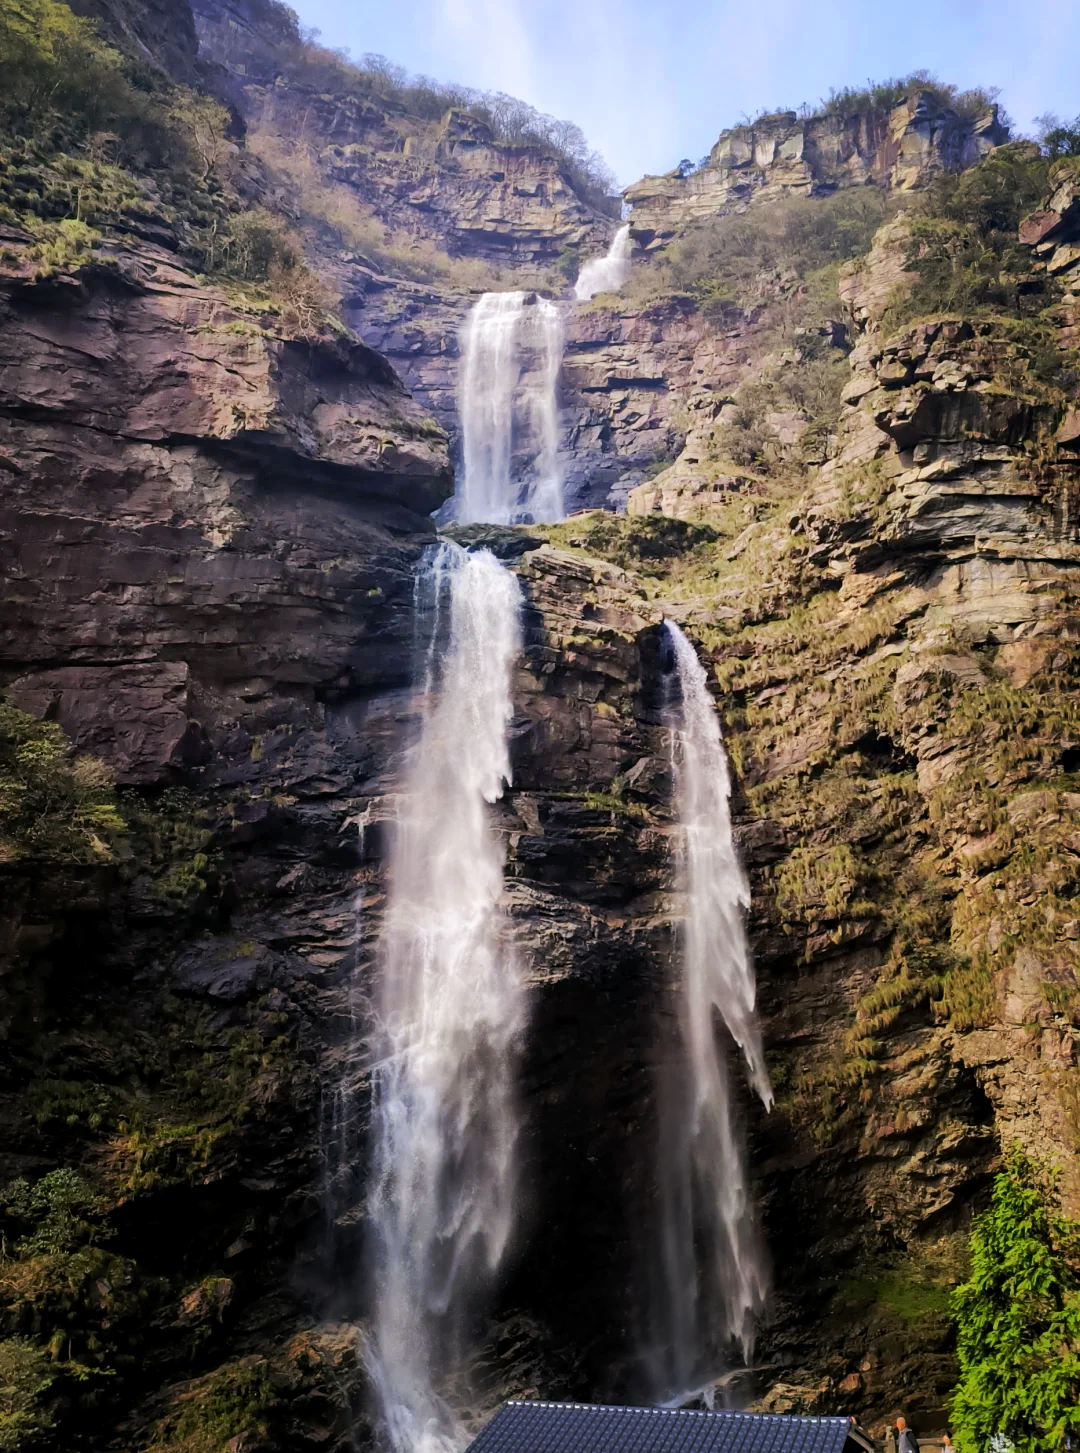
x: 26, y: 1375
x: 260, y: 248
x: 1058, y: 138
x: 204, y: 125
x: 54, y: 805
x: 1018, y: 1319
x: 964, y: 251
x: 882, y: 96
x: 53, y: 64
x: 227, y: 1408
x: 58, y: 1279
x: 56, y: 1213
x: 725, y: 263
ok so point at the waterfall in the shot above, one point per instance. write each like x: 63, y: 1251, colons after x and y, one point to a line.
x: 608, y: 273
x: 451, y: 1011
x: 713, y: 1275
x: 340, y: 1135
x: 508, y: 403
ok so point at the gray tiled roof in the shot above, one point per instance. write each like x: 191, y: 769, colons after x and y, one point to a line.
x: 537, y: 1427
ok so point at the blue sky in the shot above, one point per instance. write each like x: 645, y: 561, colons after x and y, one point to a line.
x: 651, y: 81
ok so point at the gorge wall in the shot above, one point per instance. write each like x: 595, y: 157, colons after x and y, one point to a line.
x: 212, y: 517
x: 848, y: 144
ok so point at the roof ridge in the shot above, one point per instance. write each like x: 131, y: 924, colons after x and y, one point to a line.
x: 672, y: 1412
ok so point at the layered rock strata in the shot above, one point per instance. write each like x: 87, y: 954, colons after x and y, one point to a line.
x: 449, y: 182
x: 790, y: 155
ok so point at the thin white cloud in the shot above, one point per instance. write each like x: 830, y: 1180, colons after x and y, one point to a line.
x: 493, y: 35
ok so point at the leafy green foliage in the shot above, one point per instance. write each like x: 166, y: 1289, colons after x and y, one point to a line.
x: 1018, y: 1319
x: 882, y: 96
x: 26, y: 1376
x: 54, y: 805
x: 228, y: 1407
x: 964, y: 250
x: 59, y: 1282
x: 58, y: 1212
x: 54, y: 67
x: 1057, y: 137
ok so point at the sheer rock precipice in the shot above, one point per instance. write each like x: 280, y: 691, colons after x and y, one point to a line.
x: 785, y: 154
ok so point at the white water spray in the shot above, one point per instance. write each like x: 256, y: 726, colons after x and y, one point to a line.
x: 713, y: 1275
x: 509, y: 411
x: 608, y: 273
x: 451, y: 1013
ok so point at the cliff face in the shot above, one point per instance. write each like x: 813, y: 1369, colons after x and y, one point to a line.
x: 210, y: 531
x: 781, y: 155
x: 894, y: 647
x: 157, y: 32
x: 210, y: 538
x: 443, y: 181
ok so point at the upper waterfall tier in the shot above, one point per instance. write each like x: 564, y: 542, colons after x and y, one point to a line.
x: 608, y: 273
x: 512, y: 350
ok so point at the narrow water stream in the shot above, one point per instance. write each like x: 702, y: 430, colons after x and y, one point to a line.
x: 713, y: 1279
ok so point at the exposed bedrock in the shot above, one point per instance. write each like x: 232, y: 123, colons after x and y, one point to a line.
x: 209, y: 535
x: 789, y: 154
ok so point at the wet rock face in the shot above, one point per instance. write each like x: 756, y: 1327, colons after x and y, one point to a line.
x: 209, y: 534
x: 631, y: 381
x: 209, y: 542
x: 784, y: 154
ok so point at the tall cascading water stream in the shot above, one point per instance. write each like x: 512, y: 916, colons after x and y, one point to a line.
x: 450, y: 1015
x: 608, y: 273
x: 508, y: 403
x: 711, y: 1277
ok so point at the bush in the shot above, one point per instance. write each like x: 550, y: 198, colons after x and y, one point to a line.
x: 259, y: 248
x: 1058, y: 138
x: 724, y: 262
x: 258, y: 244
x: 54, y: 805
x: 1018, y: 1319
x: 53, y: 64
x: 227, y: 1408
x: 59, y: 1281
x: 26, y: 1375
x: 882, y: 96
x: 964, y: 250
x: 56, y: 1214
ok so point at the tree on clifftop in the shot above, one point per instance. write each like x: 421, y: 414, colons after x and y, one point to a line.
x: 1018, y: 1319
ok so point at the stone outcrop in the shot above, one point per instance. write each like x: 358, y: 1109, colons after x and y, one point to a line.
x: 158, y: 440
x: 447, y: 183
x: 158, y: 32
x: 471, y: 195
x: 787, y: 154
x: 209, y: 534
